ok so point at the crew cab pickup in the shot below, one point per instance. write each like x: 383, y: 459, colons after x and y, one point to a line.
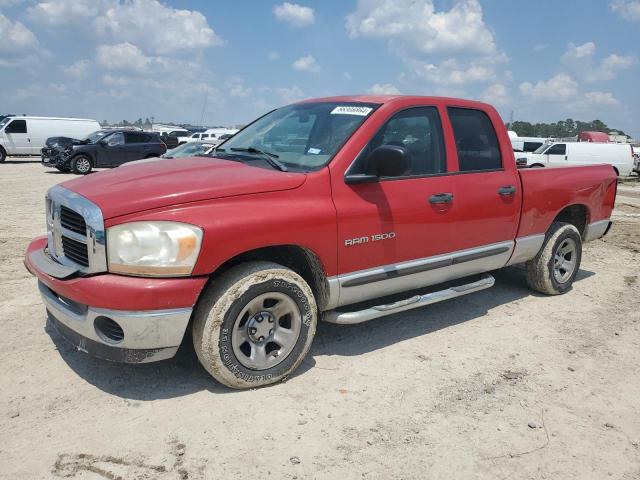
x: 341, y: 209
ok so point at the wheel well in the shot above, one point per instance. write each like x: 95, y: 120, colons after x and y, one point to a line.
x: 576, y: 215
x: 537, y: 165
x: 301, y: 260
x: 83, y: 154
x: 617, y: 171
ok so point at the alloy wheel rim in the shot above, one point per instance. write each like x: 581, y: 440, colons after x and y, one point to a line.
x: 83, y: 165
x: 564, y: 260
x: 266, y: 331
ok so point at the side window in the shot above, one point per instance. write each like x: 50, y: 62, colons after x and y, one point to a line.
x: 419, y: 131
x: 116, y: 139
x: 205, y: 135
x: 16, y: 126
x: 134, y: 138
x: 476, y: 140
x: 557, y: 149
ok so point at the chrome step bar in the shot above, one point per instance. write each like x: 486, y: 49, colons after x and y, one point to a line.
x: 417, y: 301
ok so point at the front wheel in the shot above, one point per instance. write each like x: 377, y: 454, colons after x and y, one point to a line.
x: 81, y: 165
x: 3, y: 155
x: 554, y: 268
x: 254, y: 325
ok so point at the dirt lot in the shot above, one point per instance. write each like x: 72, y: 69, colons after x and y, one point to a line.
x: 499, y: 384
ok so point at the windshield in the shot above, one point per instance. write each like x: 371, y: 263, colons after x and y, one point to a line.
x: 302, y: 136
x: 188, y: 150
x: 95, y: 136
x: 4, y: 121
x: 542, y: 148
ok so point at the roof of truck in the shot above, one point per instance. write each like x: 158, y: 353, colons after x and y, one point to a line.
x: 382, y: 99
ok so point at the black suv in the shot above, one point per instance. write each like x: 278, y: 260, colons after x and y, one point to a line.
x: 104, y: 148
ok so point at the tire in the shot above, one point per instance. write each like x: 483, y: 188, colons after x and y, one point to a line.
x: 3, y: 155
x: 81, y: 165
x: 553, y: 270
x: 537, y: 165
x: 233, y: 318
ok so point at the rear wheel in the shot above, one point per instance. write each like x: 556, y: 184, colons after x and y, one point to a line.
x: 81, y: 165
x: 254, y: 325
x: 556, y: 265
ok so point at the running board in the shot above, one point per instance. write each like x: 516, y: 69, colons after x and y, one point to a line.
x: 417, y: 301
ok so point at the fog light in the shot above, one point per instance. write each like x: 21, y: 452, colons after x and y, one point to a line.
x: 108, y: 330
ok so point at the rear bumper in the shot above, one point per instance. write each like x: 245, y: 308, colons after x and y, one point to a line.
x: 150, y: 314
x: 597, y: 230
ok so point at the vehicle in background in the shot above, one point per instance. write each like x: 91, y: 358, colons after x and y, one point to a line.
x: 527, y: 144
x: 212, y: 135
x: 190, y: 149
x: 556, y: 154
x: 101, y: 149
x: 636, y: 162
x: 28, y: 135
x: 344, y: 209
x: 595, y: 137
x: 171, y: 141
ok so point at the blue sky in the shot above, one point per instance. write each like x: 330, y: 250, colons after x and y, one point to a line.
x: 227, y: 62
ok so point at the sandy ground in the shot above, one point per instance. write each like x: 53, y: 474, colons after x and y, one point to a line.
x: 500, y: 384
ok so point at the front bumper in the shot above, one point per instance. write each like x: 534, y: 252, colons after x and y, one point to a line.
x: 151, y: 313
x: 148, y: 336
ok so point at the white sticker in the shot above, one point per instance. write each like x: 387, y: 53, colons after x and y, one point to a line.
x: 351, y: 110
x: 314, y: 151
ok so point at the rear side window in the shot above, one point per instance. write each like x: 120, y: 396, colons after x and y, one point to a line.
x: 135, y: 138
x: 531, y: 146
x: 476, y: 140
x: 557, y: 149
x: 17, y: 126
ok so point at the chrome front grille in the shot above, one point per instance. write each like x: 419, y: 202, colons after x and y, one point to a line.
x: 75, y: 230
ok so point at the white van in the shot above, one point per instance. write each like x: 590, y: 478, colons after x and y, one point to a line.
x: 527, y: 144
x: 619, y: 155
x: 27, y: 135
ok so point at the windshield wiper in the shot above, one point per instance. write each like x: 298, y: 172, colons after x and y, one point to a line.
x: 269, y: 157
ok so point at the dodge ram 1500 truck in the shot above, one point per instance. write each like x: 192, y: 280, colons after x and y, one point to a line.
x: 343, y: 209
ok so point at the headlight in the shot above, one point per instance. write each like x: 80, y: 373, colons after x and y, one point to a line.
x: 161, y: 249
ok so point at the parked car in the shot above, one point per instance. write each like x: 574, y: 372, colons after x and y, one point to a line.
x: 619, y: 155
x: 527, y: 144
x: 101, y: 149
x: 190, y: 149
x: 392, y: 203
x: 213, y: 135
x: 28, y: 135
x: 171, y: 141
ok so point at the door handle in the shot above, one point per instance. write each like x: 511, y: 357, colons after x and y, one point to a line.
x: 507, y: 190
x: 440, y: 198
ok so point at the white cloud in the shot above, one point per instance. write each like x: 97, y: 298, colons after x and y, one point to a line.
x: 16, y: 38
x: 450, y: 72
x: 415, y: 25
x: 605, y: 99
x: 237, y: 88
x: 575, y: 52
x: 77, y: 70
x: 123, y: 56
x: 384, y: 89
x: 628, y: 9
x: 559, y: 87
x: 274, y: 56
x: 496, y: 94
x: 581, y: 59
x: 148, y: 23
x: 290, y: 94
x: 306, y: 64
x: 294, y: 14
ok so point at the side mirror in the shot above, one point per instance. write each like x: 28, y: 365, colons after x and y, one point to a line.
x: 384, y: 161
x: 389, y: 161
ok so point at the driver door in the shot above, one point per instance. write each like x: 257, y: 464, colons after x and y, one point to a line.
x: 557, y: 155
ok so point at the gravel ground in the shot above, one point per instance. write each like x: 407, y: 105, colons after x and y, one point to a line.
x: 499, y: 384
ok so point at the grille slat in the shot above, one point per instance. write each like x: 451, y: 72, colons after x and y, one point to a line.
x: 75, y: 251
x: 72, y: 220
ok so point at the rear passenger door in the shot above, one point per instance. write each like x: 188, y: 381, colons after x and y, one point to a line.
x: 486, y: 189
x: 137, y: 145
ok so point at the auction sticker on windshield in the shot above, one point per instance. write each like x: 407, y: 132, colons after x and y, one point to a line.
x: 351, y: 110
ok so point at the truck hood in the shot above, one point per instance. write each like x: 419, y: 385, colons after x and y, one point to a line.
x: 123, y: 191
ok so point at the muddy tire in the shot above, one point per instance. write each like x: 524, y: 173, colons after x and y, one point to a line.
x: 254, y: 325
x: 81, y: 165
x: 556, y: 265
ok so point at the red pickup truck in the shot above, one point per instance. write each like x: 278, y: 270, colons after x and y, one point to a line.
x: 343, y: 209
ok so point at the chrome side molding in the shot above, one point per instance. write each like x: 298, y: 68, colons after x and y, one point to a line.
x: 416, y: 301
